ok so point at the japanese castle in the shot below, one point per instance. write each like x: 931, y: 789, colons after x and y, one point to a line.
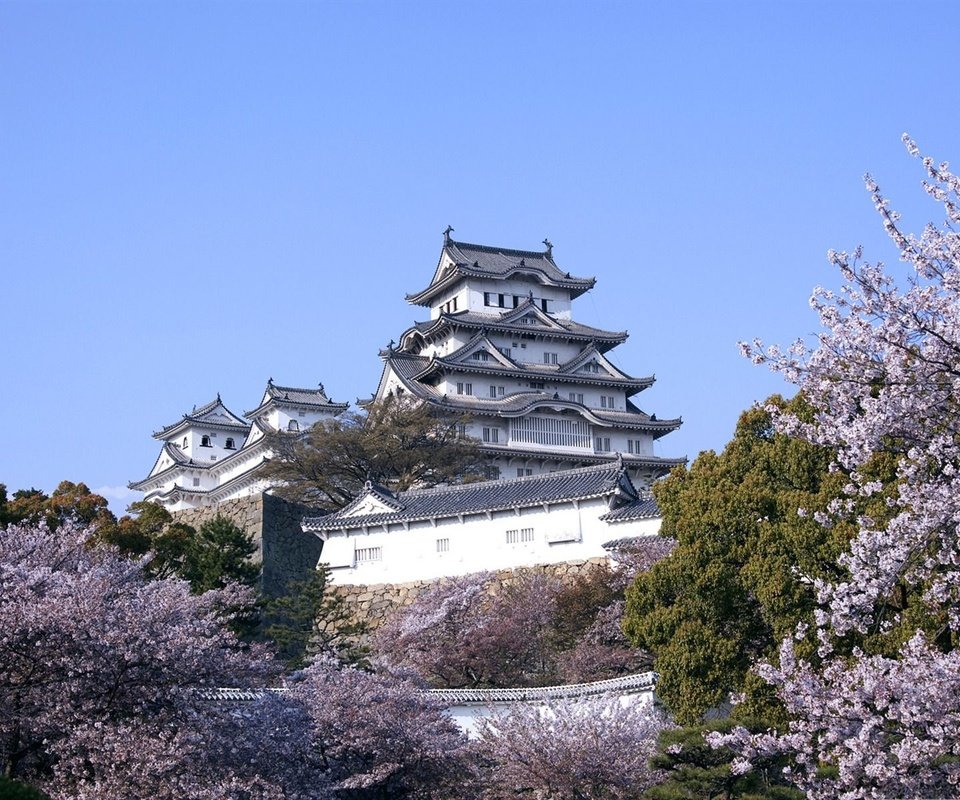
x: 500, y: 346
x: 211, y: 455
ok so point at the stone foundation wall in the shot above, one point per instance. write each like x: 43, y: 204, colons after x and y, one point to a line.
x: 373, y: 604
x: 284, y: 550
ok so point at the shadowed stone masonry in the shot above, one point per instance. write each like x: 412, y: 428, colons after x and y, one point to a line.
x: 285, y: 551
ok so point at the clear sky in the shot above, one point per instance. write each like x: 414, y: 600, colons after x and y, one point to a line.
x: 195, y: 197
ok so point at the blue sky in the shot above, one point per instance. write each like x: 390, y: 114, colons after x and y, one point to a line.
x: 195, y: 197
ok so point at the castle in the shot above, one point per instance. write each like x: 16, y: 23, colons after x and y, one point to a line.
x: 570, y: 456
x: 501, y: 345
x: 211, y: 455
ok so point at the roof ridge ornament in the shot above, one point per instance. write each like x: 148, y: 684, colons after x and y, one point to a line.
x: 446, y: 234
x: 549, y: 246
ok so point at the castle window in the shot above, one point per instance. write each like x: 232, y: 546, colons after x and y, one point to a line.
x: 461, y: 430
x: 362, y: 554
x: 606, y: 401
x: 205, y: 441
x: 593, y: 366
x: 543, y: 304
x: 293, y: 425
x: 576, y: 397
x: 184, y: 443
x: 464, y: 388
x: 196, y: 481
x: 443, y: 545
x: 489, y: 299
x: 601, y: 444
x: 550, y: 358
x: 505, y: 351
x: 523, y: 472
x: 491, y: 435
x: 481, y: 355
x: 517, y: 299
x: 516, y: 536
x: 537, y: 385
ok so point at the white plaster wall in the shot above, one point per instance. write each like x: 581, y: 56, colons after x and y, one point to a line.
x: 467, y: 716
x: 478, y: 543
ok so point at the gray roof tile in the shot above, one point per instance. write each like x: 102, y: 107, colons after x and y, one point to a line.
x: 476, y: 498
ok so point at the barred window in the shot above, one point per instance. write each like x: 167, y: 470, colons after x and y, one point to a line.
x: 362, y: 554
x: 516, y: 536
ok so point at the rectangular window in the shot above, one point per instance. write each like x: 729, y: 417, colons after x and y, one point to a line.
x: 591, y: 367
x: 443, y: 545
x: 550, y: 358
x: 464, y: 388
x: 523, y: 473
x: 516, y: 300
x: 461, y: 430
x: 537, y: 385
x: 488, y: 299
x: 522, y: 535
x: 555, y: 431
x: 454, y: 303
x: 601, y: 444
x: 606, y: 401
x: 502, y: 302
x: 576, y: 397
x: 196, y: 481
x: 362, y: 554
x: 491, y: 435
x: 497, y: 391
x: 505, y: 351
x: 213, y: 458
x: 543, y: 305
x: 481, y: 355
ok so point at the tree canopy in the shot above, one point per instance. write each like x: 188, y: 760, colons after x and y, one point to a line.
x: 868, y: 718
x: 733, y: 586
x: 398, y: 443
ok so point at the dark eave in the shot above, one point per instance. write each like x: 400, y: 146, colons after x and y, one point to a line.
x: 499, y: 263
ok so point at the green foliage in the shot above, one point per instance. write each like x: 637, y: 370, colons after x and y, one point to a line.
x: 732, y: 588
x: 14, y: 790
x: 219, y: 554
x: 68, y: 501
x: 696, y: 771
x: 310, y: 619
x: 398, y: 443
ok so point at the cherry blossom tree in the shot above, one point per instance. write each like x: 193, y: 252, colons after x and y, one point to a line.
x: 459, y: 634
x: 382, y: 737
x: 879, y: 715
x: 570, y: 751
x: 99, y: 672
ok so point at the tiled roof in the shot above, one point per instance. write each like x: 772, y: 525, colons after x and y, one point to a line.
x: 627, y: 684
x: 523, y: 371
x: 500, y: 323
x: 484, y: 261
x: 645, y: 508
x: 213, y: 415
x: 291, y: 395
x: 410, y: 368
x: 476, y: 498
